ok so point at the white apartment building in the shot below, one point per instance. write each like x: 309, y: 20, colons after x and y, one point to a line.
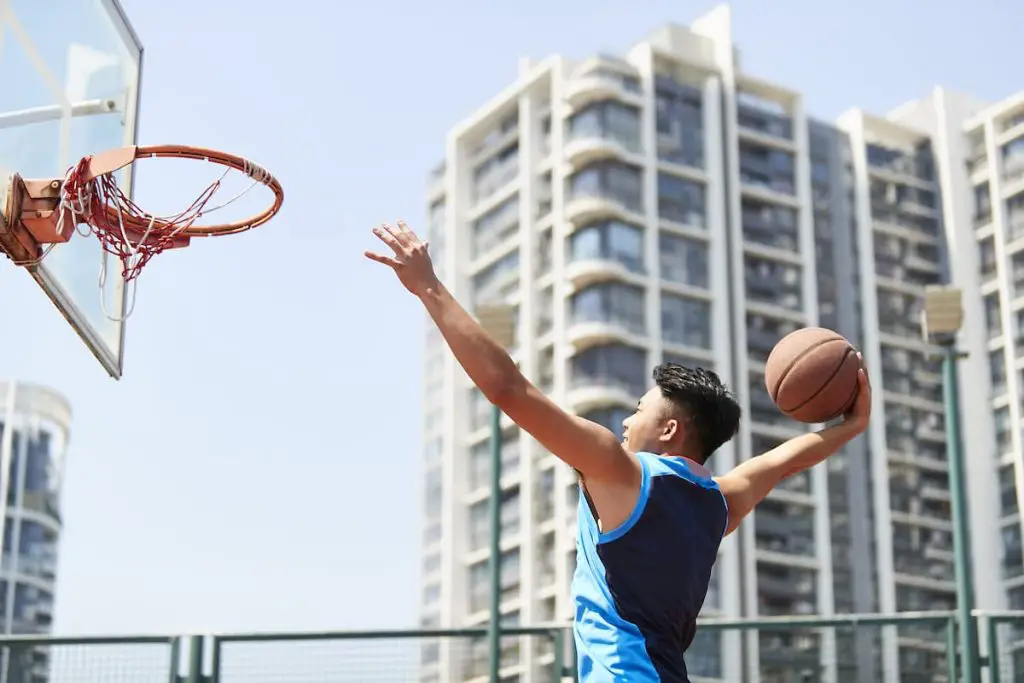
x: 34, y: 424
x: 668, y: 205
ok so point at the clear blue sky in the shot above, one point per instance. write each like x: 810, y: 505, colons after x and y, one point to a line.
x: 257, y: 468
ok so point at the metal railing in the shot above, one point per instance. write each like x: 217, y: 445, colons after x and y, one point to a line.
x: 918, y: 647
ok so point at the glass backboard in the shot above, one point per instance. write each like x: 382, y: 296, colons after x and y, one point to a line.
x: 70, y: 74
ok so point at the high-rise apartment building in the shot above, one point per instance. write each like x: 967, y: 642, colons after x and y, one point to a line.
x: 667, y: 205
x: 34, y: 424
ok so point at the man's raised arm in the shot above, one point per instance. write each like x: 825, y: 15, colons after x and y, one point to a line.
x: 749, y: 482
x: 582, y: 444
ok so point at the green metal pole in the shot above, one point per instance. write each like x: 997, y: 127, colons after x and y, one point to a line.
x: 558, y: 665
x: 969, y: 666
x: 195, y: 660
x: 993, y: 650
x: 494, y: 631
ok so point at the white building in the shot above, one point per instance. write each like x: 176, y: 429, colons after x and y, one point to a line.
x: 667, y: 205
x: 34, y: 423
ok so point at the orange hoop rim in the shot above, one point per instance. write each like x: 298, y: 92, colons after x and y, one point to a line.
x: 110, y: 161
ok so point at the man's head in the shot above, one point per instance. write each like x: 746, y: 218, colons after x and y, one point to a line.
x: 688, y: 412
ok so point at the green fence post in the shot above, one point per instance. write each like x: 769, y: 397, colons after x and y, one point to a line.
x: 195, y: 659
x: 951, y: 648
x: 215, y: 660
x: 494, y: 632
x: 558, y: 665
x: 573, y: 667
x: 993, y: 649
x: 175, y: 676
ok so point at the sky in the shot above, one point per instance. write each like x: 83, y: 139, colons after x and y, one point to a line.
x: 257, y: 468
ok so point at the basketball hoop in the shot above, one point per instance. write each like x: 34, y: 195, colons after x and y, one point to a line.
x: 43, y: 213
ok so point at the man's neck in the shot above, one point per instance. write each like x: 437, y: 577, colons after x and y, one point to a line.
x: 697, y: 467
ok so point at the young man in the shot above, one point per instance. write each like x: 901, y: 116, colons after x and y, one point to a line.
x: 651, y: 517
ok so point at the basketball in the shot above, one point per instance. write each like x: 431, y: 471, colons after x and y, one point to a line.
x: 811, y: 375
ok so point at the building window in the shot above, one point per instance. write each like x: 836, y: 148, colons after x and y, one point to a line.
x: 609, y: 120
x: 997, y: 371
x: 614, y: 241
x: 681, y: 200
x: 685, y: 321
x: 683, y: 260
x: 982, y: 203
x: 993, y: 315
x: 763, y: 115
x: 496, y: 172
x: 509, y: 571
x: 615, y: 365
x: 495, y: 226
x: 618, y: 182
x: 1007, y: 491
x: 770, y: 224
x: 786, y: 528
x: 767, y: 168
x: 497, y: 281
x: 987, y: 258
x: 611, y: 302
x: 479, y: 586
x: 433, y: 493
x: 680, y: 122
x: 1013, y: 554
x: 773, y: 282
x: 480, y: 459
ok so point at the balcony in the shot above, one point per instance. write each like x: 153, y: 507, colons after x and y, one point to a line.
x: 587, y: 272
x: 584, y: 209
x: 586, y: 149
x: 588, y: 393
x: 584, y: 333
x: 771, y: 124
x: 602, y: 84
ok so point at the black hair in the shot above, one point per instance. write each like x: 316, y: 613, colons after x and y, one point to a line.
x: 712, y: 411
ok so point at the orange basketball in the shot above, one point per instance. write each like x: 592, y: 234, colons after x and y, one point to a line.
x: 811, y: 375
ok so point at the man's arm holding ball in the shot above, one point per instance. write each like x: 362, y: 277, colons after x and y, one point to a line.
x: 748, y: 483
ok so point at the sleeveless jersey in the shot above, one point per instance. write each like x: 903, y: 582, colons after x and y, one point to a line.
x: 638, y: 588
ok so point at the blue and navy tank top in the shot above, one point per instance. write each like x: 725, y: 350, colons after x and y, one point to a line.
x: 638, y: 588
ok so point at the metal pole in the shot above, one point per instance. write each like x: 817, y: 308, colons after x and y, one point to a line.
x: 558, y: 665
x: 195, y: 660
x: 494, y: 630
x: 969, y: 665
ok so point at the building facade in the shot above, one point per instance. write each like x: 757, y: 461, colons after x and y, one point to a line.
x: 667, y: 205
x: 34, y: 424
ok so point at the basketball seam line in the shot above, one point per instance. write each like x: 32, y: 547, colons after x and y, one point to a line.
x: 835, y: 372
x: 785, y: 370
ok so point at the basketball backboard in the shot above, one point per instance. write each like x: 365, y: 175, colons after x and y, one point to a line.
x: 70, y: 73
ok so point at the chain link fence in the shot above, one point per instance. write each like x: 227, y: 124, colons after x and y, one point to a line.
x: 85, y: 660
x: 917, y: 647
x: 842, y: 649
x: 387, y: 656
x: 1002, y: 637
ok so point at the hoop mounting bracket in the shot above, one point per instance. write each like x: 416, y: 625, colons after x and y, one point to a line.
x: 30, y: 219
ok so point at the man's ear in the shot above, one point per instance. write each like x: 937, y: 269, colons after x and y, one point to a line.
x: 670, y: 430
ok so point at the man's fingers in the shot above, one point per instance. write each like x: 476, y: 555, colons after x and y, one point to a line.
x: 386, y: 260
x: 388, y: 237
x: 402, y: 234
x: 407, y: 236
x: 404, y: 227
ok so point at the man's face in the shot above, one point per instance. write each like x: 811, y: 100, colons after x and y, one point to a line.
x: 653, y: 428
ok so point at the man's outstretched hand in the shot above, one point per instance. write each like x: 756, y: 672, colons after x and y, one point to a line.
x: 411, y: 261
